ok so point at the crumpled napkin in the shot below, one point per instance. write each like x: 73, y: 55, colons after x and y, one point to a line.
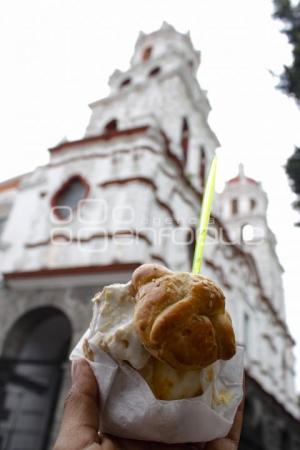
x: 130, y: 410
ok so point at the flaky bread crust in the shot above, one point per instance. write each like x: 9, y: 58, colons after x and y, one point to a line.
x: 181, y: 318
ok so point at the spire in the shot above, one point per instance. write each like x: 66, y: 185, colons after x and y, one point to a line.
x: 241, y: 171
x: 241, y: 177
x: 167, y: 27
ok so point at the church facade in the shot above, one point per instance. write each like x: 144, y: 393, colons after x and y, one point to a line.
x: 130, y: 192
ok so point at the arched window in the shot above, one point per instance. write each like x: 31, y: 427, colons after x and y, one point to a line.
x: 234, y: 206
x: 68, y: 196
x: 31, y: 370
x: 111, y: 126
x: 125, y: 82
x: 154, y: 72
x: 2, y: 224
x: 283, y: 366
x: 247, y: 337
x: 247, y: 233
x: 252, y: 203
x: 147, y: 53
x: 185, y: 135
x: 202, y: 166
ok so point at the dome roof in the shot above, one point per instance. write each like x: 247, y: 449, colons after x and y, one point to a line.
x: 241, y: 178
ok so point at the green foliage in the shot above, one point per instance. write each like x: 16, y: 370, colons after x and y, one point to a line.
x: 293, y: 170
x: 290, y: 80
x: 283, y: 9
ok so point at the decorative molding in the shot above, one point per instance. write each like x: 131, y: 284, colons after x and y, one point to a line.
x: 146, y: 181
x: 102, y: 155
x: 219, y: 271
x: 101, y: 137
x: 108, y: 235
x: 12, y: 183
x: 65, y: 271
x: 159, y: 258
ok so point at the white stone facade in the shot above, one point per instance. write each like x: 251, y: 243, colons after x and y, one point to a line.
x: 260, y: 317
x: 145, y: 174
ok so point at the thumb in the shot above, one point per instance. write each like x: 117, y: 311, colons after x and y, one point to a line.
x: 80, y: 422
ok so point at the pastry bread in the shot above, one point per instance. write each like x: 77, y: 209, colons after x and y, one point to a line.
x: 181, y: 318
x: 167, y: 383
x: 167, y: 325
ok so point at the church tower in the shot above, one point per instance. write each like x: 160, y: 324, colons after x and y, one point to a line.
x: 160, y: 88
x: 129, y: 192
x: 136, y: 177
x: 243, y: 208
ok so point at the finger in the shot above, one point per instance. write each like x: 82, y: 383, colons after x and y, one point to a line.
x: 109, y: 444
x: 129, y: 444
x: 235, y: 432
x: 231, y: 442
x: 93, y: 447
x: 106, y: 444
x: 79, y: 427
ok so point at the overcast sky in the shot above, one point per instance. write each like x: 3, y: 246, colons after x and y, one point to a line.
x: 57, y: 55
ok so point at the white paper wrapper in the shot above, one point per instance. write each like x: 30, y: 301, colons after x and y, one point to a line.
x: 130, y: 410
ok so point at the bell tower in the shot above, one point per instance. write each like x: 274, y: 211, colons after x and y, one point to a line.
x: 129, y: 192
x: 134, y: 179
x: 160, y: 89
x: 158, y: 45
x: 243, y: 209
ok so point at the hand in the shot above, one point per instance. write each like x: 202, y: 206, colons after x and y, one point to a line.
x: 79, y: 428
x: 231, y: 442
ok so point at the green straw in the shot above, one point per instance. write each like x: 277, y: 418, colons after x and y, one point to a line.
x: 204, y: 216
